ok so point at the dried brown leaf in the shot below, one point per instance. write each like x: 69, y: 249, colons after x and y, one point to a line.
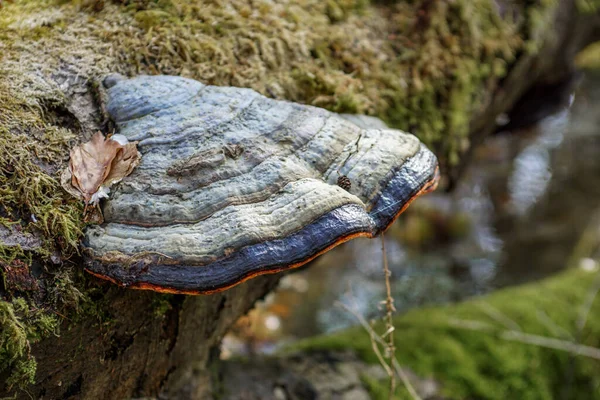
x: 91, y: 162
x: 66, y: 181
x: 97, y: 164
x: 126, y: 160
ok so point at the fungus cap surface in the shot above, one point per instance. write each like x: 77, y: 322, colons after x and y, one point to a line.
x: 233, y: 184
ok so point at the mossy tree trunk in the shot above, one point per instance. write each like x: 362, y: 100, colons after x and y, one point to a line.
x: 539, y: 82
x: 130, y: 343
x: 90, y: 339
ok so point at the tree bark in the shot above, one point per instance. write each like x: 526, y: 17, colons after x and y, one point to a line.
x: 133, y: 346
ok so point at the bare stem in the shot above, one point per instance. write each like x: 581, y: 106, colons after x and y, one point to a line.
x: 528, y: 338
x: 551, y: 343
x: 587, y: 305
x: 389, y: 321
x: 385, y: 341
x: 376, y: 340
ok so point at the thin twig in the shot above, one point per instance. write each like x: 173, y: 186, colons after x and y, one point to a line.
x: 405, y: 380
x: 551, y: 343
x: 376, y: 339
x: 499, y: 316
x: 528, y: 338
x: 389, y: 314
x: 587, y: 305
x: 553, y: 327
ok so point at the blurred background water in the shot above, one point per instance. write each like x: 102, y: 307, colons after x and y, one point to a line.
x: 516, y: 216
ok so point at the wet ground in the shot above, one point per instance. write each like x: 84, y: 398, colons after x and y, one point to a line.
x: 516, y: 216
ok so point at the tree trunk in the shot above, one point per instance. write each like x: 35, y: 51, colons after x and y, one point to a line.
x: 135, y: 343
x: 537, y: 82
x: 114, y: 343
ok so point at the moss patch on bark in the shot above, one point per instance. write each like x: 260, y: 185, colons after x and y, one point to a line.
x: 589, y: 58
x: 423, y: 66
x: 20, y: 326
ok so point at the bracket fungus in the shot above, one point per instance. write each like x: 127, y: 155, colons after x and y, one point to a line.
x: 232, y: 185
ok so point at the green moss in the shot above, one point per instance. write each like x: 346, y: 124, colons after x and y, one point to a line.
x: 33, y: 149
x: 29, y: 194
x: 327, y: 91
x: 423, y: 66
x: 427, y: 74
x: 380, y: 389
x: 589, y: 58
x: 13, y: 338
x: 161, y: 304
x: 376, y: 389
x: 339, y: 10
x: 588, y: 6
x: 152, y: 18
x: 23, y: 373
x: 63, y: 292
x: 92, y: 307
x: 20, y: 326
x: 538, y: 18
x: 480, y: 363
x: 10, y: 253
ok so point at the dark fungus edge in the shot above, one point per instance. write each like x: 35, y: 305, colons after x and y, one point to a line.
x: 417, y: 176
